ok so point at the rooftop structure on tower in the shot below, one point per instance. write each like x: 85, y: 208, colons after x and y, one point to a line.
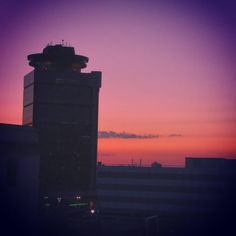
x: 58, y: 56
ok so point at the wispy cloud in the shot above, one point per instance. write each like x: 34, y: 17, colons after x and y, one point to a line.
x: 174, y: 135
x: 125, y: 135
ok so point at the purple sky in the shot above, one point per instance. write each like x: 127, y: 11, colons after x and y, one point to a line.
x: 168, y: 66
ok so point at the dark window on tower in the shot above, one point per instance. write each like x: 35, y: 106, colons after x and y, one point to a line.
x: 11, y: 171
x: 28, y: 114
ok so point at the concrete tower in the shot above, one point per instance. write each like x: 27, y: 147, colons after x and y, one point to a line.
x: 62, y: 102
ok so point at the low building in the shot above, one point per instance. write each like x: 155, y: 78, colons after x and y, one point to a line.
x: 191, y: 198
x: 19, y: 176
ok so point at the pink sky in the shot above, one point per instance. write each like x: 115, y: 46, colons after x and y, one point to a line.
x: 167, y: 69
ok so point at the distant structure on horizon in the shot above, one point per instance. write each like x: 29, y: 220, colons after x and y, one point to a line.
x: 62, y: 103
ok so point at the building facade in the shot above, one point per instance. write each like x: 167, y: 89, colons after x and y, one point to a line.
x: 62, y: 102
x: 198, y: 197
x: 19, y: 179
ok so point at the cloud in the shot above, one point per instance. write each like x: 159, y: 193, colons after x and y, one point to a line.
x: 174, y: 135
x: 125, y: 135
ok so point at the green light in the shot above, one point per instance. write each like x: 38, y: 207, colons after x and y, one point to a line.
x: 78, y: 204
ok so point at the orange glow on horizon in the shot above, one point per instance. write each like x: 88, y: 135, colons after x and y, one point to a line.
x: 167, y: 151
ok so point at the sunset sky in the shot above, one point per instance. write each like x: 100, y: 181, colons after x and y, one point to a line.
x: 168, y: 86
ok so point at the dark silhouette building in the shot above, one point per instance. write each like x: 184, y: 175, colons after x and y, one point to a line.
x: 19, y: 182
x: 198, y: 199
x: 62, y: 102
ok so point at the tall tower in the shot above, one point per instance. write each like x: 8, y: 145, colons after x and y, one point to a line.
x: 62, y: 102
